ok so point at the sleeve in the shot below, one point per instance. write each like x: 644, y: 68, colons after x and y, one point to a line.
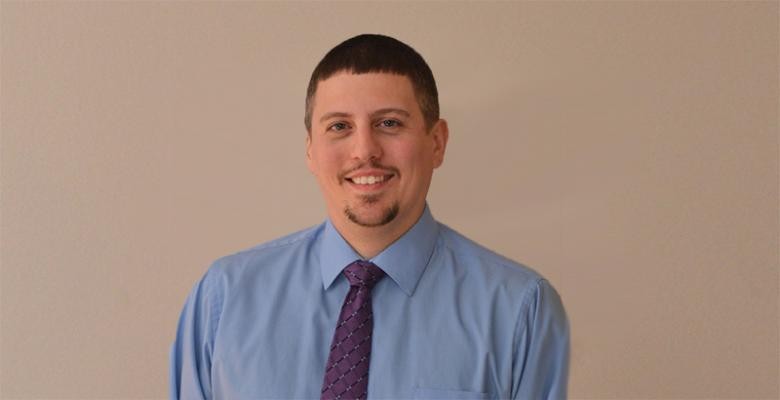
x: 190, y: 357
x: 541, y: 354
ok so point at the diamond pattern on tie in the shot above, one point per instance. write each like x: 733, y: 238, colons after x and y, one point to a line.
x: 346, y: 372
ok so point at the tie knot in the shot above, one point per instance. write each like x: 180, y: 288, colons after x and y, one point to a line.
x: 363, y: 273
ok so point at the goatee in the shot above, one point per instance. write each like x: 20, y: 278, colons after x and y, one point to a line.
x: 389, y: 214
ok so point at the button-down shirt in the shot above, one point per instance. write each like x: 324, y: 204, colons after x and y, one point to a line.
x: 451, y: 320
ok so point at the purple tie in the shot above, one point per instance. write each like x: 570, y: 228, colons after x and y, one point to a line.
x: 346, y: 373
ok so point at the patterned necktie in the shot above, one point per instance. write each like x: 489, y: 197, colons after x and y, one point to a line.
x: 346, y: 373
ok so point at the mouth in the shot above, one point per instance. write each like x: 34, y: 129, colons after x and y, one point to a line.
x: 370, y: 181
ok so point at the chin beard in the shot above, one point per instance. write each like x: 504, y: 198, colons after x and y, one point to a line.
x: 388, y: 215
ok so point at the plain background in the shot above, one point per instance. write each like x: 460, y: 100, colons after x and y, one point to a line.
x: 628, y: 151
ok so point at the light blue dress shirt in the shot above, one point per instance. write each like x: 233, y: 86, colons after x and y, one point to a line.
x: 452, y: 320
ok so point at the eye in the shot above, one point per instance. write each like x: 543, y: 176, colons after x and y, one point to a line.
x: 338, y: 126
x: 389, y: 123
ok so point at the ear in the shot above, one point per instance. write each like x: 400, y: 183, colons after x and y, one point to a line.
x: 309, y: 162
x: 440, y: 134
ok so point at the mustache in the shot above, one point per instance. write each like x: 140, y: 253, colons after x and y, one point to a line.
x: 371, y: 164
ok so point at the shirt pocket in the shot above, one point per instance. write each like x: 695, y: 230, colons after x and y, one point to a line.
x: 440, y: 394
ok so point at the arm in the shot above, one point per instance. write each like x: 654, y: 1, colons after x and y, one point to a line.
x: 190, y: 358
x: 541, y: 357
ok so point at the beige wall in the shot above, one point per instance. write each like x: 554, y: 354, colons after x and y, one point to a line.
x: 628, y: 151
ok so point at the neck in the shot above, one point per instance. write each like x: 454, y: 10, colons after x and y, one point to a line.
x: 370, y: 241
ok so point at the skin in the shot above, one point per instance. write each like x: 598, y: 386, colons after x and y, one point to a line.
x: 371, y: 125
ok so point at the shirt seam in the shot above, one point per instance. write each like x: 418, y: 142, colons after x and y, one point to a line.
x: 216, y: 305
x: 523, y: 311
x: 305, y: 234
x: 493, y: 260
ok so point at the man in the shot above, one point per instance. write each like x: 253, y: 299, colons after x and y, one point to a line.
x: 380, y: 301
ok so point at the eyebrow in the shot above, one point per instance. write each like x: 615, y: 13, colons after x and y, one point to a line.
x: 334, y: 114
x: 381, y: 111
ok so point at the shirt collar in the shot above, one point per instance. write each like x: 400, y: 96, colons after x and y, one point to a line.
x: 404, y: 260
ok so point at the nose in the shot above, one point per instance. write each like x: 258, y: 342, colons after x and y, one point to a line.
x: 366, y: 145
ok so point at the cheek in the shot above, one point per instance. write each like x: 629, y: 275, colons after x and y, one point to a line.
x: 415, y: 156
x: 325, y: 160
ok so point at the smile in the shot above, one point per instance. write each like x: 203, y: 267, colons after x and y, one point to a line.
x: 371, y: 181
x: 368, y: 180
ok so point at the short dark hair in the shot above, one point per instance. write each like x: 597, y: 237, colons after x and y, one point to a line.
x: 378, y: 53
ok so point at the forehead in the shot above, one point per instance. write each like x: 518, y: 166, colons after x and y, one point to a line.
x: 355, y: 93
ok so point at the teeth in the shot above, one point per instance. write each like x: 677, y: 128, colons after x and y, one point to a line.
x: 368, y: 180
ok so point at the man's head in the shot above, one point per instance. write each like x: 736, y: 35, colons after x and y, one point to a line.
x: 371, y: 145
x: 377, y: 53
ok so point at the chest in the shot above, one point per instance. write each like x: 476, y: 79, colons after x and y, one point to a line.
x: 420, y: 345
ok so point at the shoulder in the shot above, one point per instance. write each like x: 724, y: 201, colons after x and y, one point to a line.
x: 235, y: 274
x: 502, y: 285
x: 482, y: 259
x: 266, y: 255
x: 489, y: 274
